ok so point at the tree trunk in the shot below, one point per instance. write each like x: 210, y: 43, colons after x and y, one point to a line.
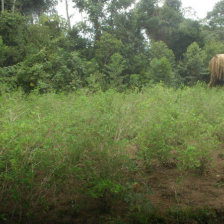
x: 13, y: 6
x: 3, y: 6
x: 67, y: 13
x: 97, y: 29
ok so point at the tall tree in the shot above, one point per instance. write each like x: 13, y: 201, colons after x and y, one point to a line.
x: 175, y: 4
x: 67, y: 13
x: 2, y: 5
x: 29, y: 7
x: 216, y: 16
x: 187, y: 32
x: 34, y: 7
x: 193, y: 65
x: 13, y: 6
x: 161, y: 22
x: 215, y: 23
x: 94, y: 9
x: 99, y: 11
x: 147, y: 14
x: 13, y: 31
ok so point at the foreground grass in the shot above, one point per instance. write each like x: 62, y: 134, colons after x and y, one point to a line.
x: 81, y: 155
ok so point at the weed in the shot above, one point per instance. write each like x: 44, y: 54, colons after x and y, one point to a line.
x: 90, y: 147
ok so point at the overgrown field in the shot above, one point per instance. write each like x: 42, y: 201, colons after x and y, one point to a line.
x: 109, y: 157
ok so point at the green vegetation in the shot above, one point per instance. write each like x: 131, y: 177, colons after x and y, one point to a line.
x: 106, y: 120
x: 88, y: 152
x: 121, y: 45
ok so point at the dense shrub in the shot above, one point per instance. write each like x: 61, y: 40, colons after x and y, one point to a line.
x: 83, y: 149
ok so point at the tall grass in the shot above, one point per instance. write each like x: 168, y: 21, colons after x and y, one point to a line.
x: 82, y: 150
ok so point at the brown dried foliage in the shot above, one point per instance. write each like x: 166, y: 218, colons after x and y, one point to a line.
x: 216, y: 68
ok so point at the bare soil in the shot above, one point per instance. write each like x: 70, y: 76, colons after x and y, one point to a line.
x: 171, y: 187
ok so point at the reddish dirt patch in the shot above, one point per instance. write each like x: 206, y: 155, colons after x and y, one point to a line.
x: 171, y: 187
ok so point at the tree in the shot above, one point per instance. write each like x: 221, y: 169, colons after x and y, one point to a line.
x: 114, y: 69
x: 67, y: 13
x: 215, y: 21
x: 51, y: 69
x: 147, y: 14
x: 193, y: 68
x: 94, y: 9
x: 101, y: 11
x: 13, y: 6
x: 170, y: 16
x: 76, y: 42
x: 3, y: 50
x: 106, y: 47
x: 188, y: 31
x: 160, y: 22
x: 175, y: 4
x: 159, y: 49
x: 212, y: 48
x: 29, y: 7
x: 167, y: 23
x: 135, y: 44
x: 163, y: 64
x: 13, y: 32
x: 2, y: 6
x: 161, y: 70
x: 114, y: 9
x: 216, y: 16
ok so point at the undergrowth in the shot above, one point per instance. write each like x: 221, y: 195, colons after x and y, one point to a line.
x: 81, y: 152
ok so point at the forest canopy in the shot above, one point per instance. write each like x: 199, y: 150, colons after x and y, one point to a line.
x: 121, y: 44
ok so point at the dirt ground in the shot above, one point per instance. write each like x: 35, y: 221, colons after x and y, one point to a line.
x: 170, y: 187
x: 164, y: 186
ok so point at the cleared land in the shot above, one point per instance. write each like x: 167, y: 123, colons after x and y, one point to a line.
x: 150, y: 157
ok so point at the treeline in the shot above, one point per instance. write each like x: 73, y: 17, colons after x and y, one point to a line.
x: 122, y: 44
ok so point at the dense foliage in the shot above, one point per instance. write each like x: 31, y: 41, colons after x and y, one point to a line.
x: 121, y: 44
x: 88, y: 111
x: 74, y: 154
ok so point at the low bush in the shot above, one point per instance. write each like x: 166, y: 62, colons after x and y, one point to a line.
x: 85, y: 151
